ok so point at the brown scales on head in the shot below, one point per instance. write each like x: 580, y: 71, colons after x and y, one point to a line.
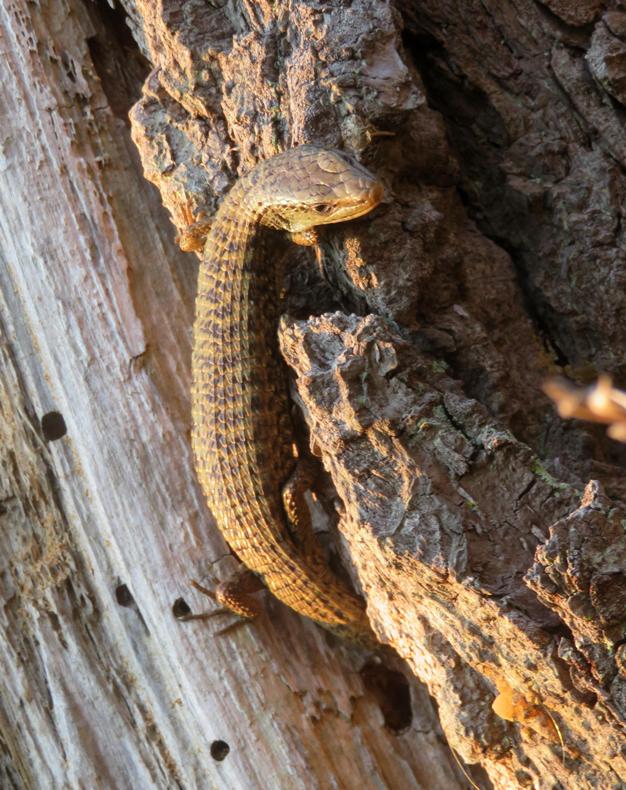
x: 318, y: 187
x: 242, y: 439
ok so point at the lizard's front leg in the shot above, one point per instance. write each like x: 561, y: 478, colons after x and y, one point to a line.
x: 296, y: 509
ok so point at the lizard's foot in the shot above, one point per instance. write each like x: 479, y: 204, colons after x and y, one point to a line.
x: 306, y: 238
x: 310, y: 238
x: 193, y: 238
x: 234, y: 597
x: 296, y: 509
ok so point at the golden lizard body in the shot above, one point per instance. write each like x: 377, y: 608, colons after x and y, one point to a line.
x: 242, y: 436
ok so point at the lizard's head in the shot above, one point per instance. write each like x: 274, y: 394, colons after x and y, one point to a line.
x: 309, y: 186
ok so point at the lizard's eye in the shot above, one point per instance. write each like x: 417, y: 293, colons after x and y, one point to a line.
x: 322, y: 208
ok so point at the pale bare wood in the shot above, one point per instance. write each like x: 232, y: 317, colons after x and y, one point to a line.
x: 96, y: 311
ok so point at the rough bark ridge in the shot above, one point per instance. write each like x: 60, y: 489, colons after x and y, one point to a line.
x: 487, y: 558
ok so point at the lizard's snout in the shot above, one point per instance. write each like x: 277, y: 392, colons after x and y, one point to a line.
x: 376, y: 192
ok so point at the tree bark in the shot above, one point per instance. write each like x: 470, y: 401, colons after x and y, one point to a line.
x: 485, y: 534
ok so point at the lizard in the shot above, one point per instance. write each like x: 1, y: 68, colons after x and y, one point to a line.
x: 242, y: 438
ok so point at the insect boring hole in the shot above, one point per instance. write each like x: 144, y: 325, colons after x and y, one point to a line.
x: 219, y: 750
x: 53, y: 426
x: 123, y: 595
x: 392, y: 694
x: 180, y: 608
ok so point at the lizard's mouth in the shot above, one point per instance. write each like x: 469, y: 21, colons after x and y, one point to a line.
x: 351, y: 209
x: 370, y: 201
x: 375, y: 195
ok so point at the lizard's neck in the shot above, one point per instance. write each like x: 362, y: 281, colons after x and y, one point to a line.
x: 231, y: 240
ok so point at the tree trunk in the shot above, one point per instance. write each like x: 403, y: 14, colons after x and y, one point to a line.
x: 103, y: 524
x: 485, y: 533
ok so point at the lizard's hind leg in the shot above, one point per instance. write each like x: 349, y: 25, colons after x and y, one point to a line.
x: 234, y: 597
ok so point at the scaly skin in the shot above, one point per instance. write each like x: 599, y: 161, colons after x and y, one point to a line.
x: 242, y: 436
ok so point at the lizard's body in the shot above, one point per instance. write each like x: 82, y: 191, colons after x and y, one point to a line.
x: 242, y: 435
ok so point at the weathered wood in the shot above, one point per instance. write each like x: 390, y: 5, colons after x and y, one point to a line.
x: 102, y: 527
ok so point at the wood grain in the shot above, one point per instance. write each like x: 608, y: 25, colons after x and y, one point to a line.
x: 102, y: 529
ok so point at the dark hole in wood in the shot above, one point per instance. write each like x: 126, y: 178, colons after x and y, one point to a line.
x: 391, y: 691
x: 219, y: 750
x: 53, y: 426
x: 180, y: 608
x: 123, y: 595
